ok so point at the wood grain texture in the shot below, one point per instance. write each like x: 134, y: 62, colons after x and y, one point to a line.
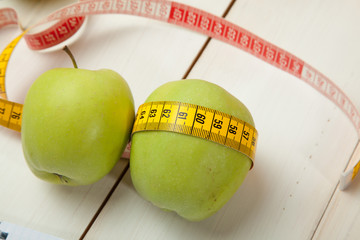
x: 305, y: 141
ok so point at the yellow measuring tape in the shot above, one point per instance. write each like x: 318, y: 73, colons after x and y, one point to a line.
x: 10, y: 112
x: 4, y: 59
x: 197, y: 121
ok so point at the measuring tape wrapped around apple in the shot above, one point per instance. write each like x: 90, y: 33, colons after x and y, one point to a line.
x: 221, y: 118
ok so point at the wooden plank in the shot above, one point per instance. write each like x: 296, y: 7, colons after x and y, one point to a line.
x: 305, y: 141
x: 146, y: 52
x: 342, y: 216
x: 317, y: 45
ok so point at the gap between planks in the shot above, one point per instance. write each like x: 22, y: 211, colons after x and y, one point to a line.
x: 107, y: 198
x: 355, y: 154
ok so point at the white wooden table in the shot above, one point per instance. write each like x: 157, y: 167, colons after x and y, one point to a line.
x: 305, y: 141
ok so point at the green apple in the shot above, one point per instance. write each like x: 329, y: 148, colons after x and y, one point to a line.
x: 189, y: 175
x: 76, y: 124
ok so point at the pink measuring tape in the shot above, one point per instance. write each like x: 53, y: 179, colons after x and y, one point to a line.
x: 68, y: 20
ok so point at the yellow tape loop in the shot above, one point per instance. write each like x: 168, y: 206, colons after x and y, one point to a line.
x: 197, y: 121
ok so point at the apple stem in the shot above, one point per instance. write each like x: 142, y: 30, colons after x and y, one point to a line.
x: 22, y: 28
x: 67, y: 50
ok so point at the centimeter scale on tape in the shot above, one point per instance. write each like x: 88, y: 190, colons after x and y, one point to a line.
x: 10, y: 112
x: 197, y: 121
x: 70, y: 18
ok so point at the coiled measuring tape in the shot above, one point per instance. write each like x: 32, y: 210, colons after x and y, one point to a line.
x: 197, y: 121
x: 71, y: 17
x: 10, y: 112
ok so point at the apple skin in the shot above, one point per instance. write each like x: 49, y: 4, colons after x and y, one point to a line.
x: 76, y: 124
x: 189, y: 175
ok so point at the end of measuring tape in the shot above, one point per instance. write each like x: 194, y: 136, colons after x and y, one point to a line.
x: 348, y: 176
x: 198, y: 121
x: 345, y: 180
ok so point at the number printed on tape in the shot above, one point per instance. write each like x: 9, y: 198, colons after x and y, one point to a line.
x: 10, y: 114
x: 197, y: 121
